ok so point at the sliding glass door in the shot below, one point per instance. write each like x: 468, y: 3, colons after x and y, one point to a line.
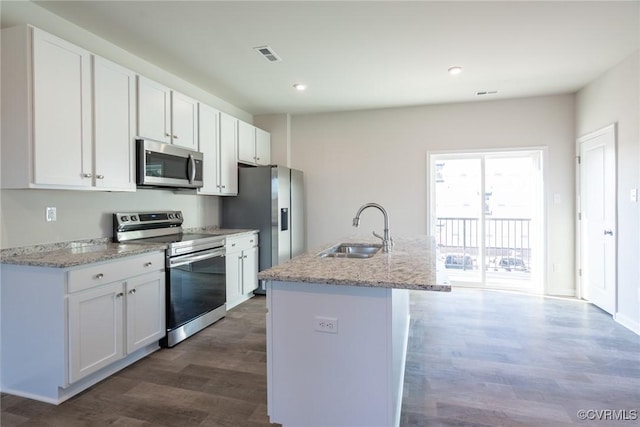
x: 486, y: 211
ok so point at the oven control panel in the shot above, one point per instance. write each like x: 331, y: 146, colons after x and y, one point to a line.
x: 150, y: 217
x: 135, y: 225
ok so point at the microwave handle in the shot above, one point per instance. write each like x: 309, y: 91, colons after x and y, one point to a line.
x: 191, y: 169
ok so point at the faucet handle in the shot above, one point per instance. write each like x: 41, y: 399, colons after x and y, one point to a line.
x: 378, y: 236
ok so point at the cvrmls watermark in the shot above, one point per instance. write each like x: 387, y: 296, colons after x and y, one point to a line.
x: 608, y: 414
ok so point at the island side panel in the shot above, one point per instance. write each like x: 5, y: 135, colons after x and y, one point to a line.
x: 332, y: 379
x: 34, y: 336
x: 400, y: 320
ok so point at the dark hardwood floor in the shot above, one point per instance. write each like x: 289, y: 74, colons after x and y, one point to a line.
x: 475, y: 358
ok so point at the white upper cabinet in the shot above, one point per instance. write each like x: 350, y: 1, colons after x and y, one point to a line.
x: 165, y: 115
x: 50, y: 138
x: 154, y: 110
x: 263, y: 147
x: 61, y: 111
x: 184, y: 119
x: 229, y: 153
x: 254, y: 145
x: 246, y: 143
x: 218, y: 144
x: 114, y: 125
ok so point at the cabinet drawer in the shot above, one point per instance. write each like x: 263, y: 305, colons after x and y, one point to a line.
x: 241, y: 243
x: 108, y: 272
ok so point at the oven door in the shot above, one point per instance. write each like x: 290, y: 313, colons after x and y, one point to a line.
x: 196, y: 286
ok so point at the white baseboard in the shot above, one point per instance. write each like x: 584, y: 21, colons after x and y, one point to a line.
x: 629, y: 323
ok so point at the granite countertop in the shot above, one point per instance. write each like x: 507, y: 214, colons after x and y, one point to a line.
x: 82, y: 252
x: 411, y: 264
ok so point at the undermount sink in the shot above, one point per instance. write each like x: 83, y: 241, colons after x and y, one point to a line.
x: 352, y: 250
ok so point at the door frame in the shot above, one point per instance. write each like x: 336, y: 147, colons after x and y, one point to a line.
x: 581, y: 284
x: 542, y: 285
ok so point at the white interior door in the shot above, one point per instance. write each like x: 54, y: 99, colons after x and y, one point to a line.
x: 597, y: 218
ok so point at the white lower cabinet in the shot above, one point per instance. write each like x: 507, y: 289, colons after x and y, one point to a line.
x: 95, y: 329
x: 105, y: 318
x: 242, y: 268
x: 71, y: 328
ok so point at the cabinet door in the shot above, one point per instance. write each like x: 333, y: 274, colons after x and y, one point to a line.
x: 246, y: 143
x: 61, y: 112
x: 145, y: 318
x: 263, y: 147
x: 233, y: 264
x: 208, y: 138
x: 184, y: 121
x: 228, y: 154
x: 154, y: 110
x: 249, y: 270
x: 95, y: 329
x: 114, y: 118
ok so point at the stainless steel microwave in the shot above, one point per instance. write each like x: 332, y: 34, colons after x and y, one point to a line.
x: 166, y: 165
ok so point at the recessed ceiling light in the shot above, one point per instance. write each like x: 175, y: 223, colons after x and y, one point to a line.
x: 454, y: 70
x: 299, y: 86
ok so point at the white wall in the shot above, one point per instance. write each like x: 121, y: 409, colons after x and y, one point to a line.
x: 87, y: 215
x: 350, y: 158
x: 615, y: 98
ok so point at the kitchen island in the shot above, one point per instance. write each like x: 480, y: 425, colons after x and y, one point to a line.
x: 337, y: 332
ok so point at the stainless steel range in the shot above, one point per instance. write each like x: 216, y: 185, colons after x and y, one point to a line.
x: 195, y: 269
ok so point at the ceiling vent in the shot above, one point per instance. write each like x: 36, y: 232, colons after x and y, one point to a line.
x: 486, y: 92
x: 268, y: 53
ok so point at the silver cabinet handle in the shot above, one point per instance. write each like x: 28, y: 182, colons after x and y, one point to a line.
x: 175, y: 136
x: 119, y: 295
x: 87, y: 175
x: 132, y: 291
x: 167, y: 134
x: 98, y: 276
x: 99, y: 176
x: 224, y: 186
x: 148, y: 264
x: 245, y: 257
x: 240, y: 257
x: 608, y: 232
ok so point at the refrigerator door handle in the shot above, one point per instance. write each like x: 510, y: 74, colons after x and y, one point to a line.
x: 284, y: 219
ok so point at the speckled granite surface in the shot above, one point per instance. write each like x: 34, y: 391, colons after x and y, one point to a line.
x: 411, y: 264
x: 80, y: 252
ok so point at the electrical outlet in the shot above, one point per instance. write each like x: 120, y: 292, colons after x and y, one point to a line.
x: 326, y: 324
x: 50, y: 214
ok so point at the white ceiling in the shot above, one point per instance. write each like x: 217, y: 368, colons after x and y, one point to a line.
x: 368, y: 54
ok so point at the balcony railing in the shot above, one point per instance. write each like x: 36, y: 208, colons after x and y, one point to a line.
x: 507, y: 240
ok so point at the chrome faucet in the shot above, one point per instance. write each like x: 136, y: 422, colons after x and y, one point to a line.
x: 387, y: 241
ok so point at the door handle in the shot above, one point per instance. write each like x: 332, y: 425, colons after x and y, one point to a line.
x: 608, y: 232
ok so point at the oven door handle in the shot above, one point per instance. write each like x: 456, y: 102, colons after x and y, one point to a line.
x: 191, y: 258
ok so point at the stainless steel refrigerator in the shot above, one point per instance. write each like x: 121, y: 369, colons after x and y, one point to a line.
x: 270, y: 199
